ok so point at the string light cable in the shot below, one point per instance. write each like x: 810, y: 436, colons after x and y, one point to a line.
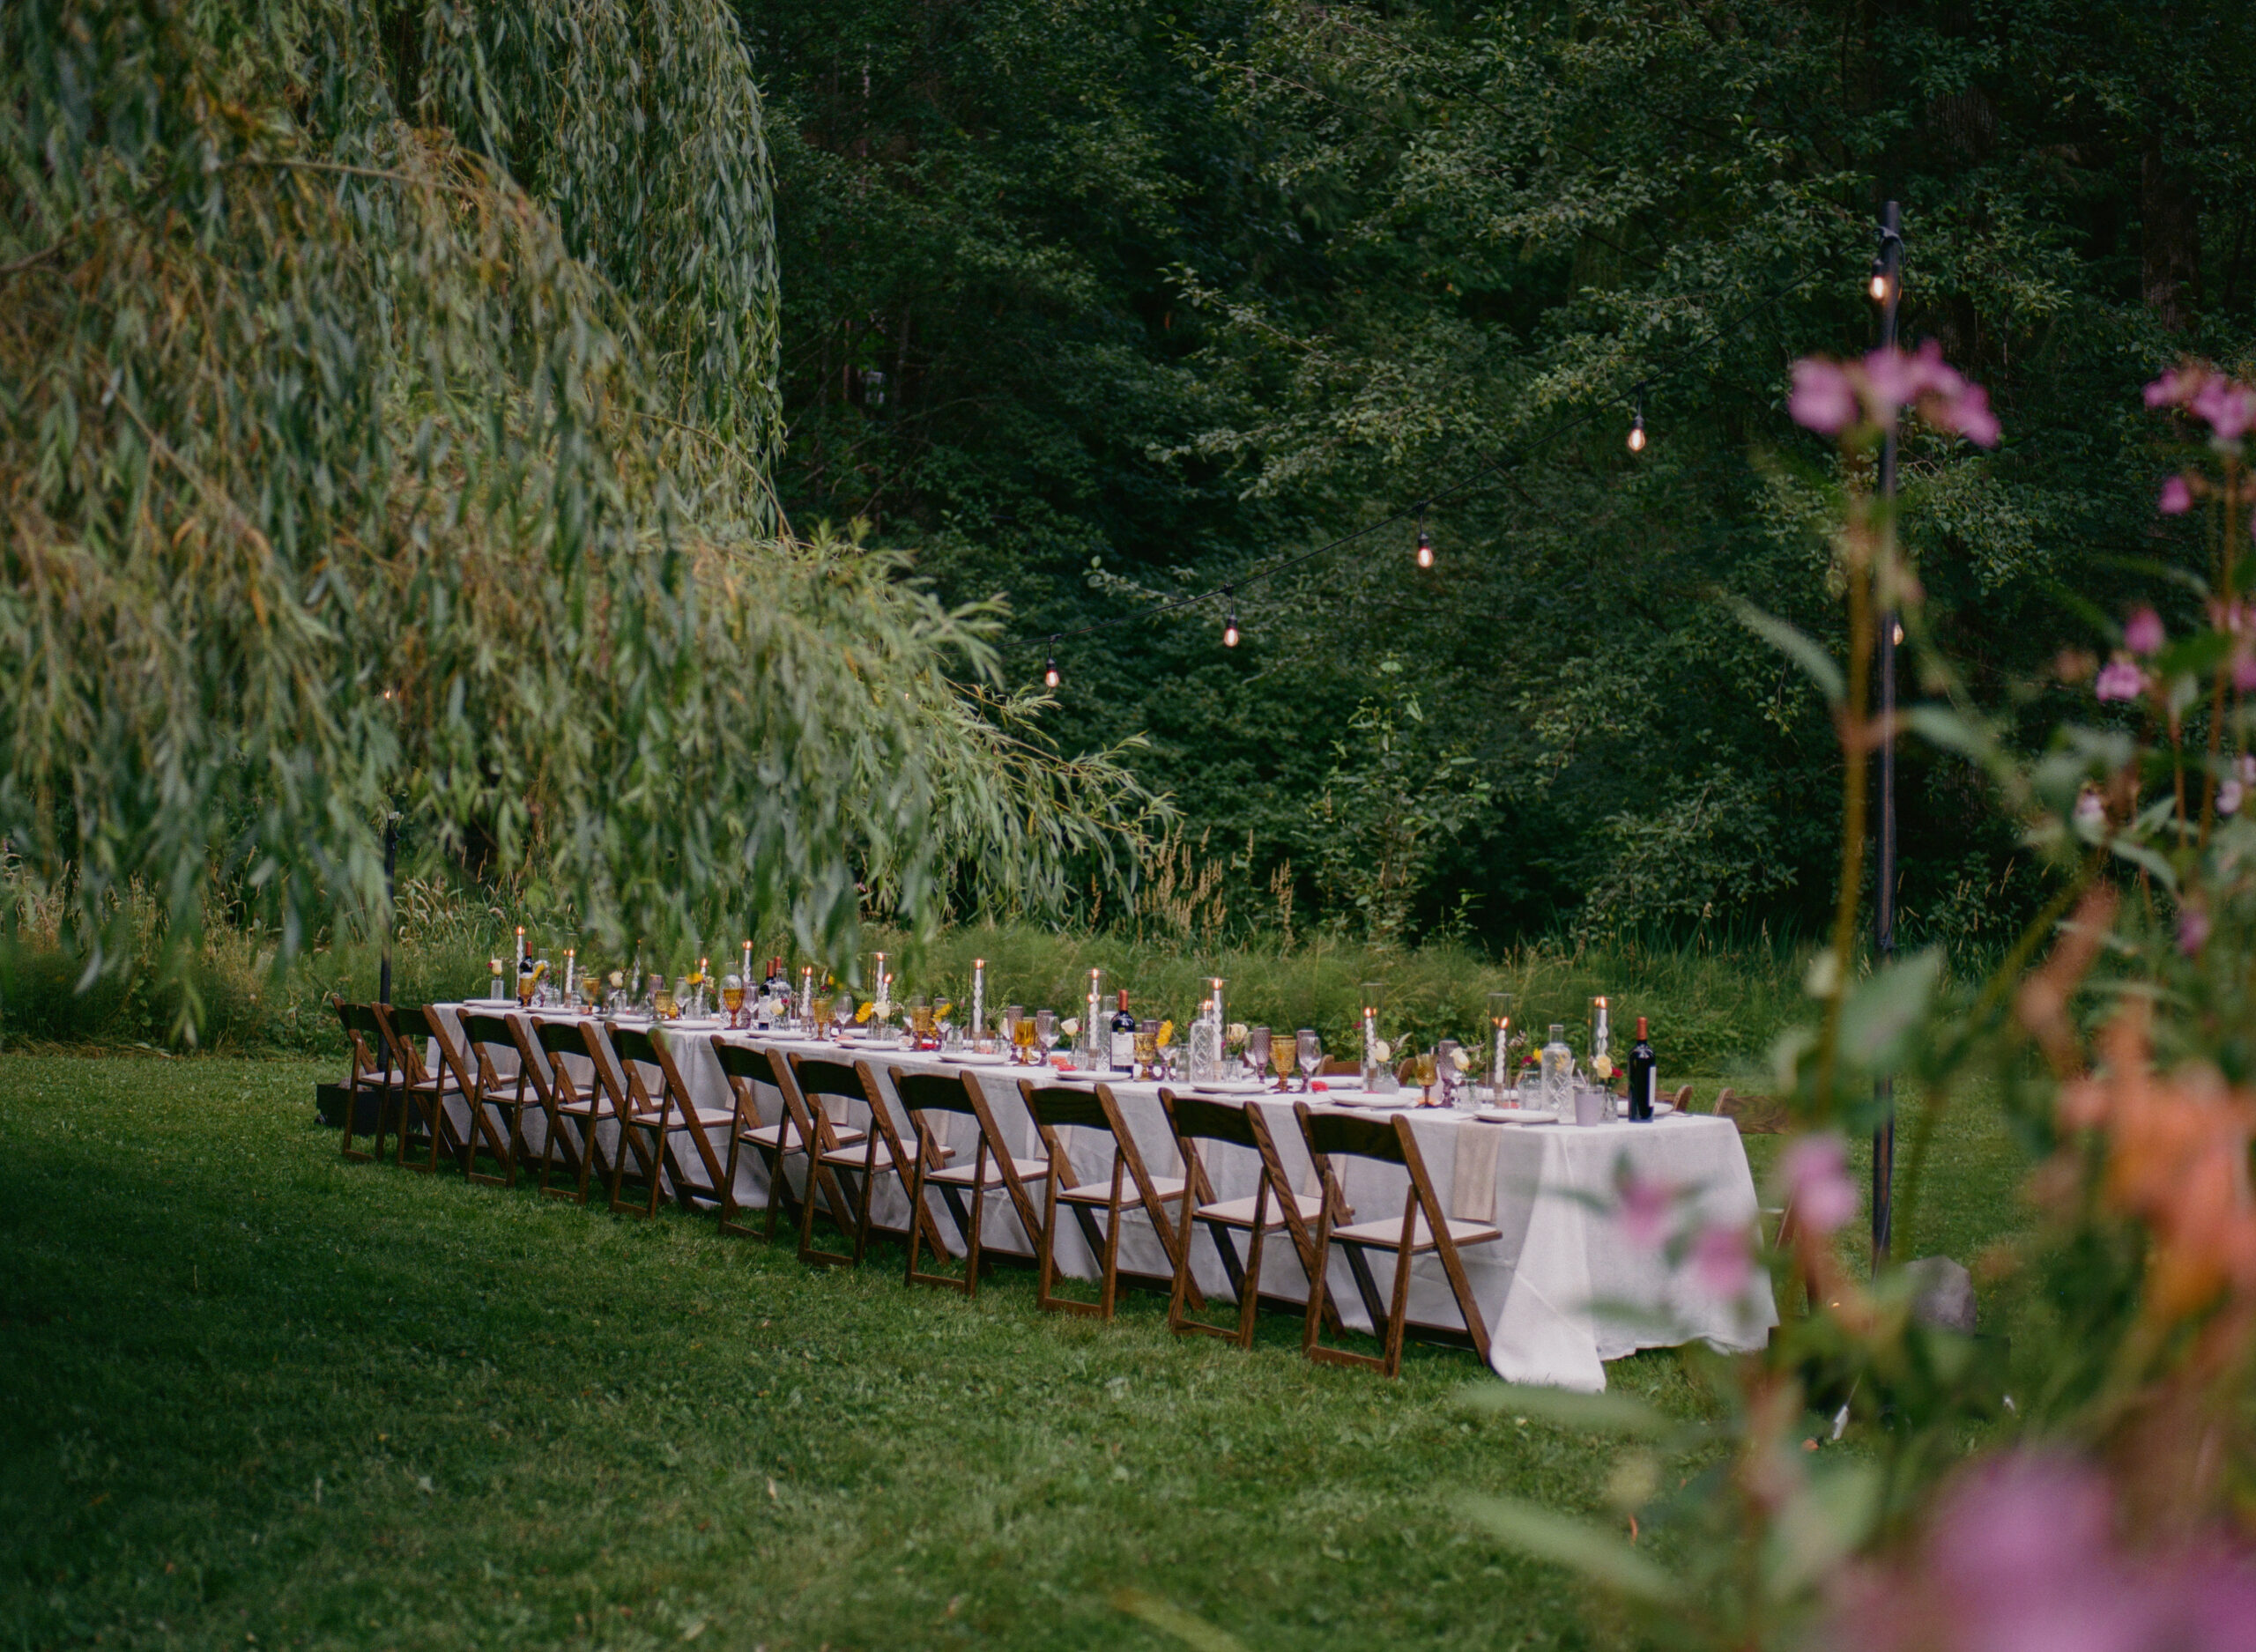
x: 1472, y: 481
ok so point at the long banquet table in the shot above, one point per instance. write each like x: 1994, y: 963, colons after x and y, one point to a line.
x: 1563, y: 1291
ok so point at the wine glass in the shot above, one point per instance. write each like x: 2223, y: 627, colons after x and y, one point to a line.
x: 1045, y: 1034
x: 1308, y: 1050
x: 733, y: 996
x: 1007, y: 1030
x: 1147, y: 1048
x: 1424, y: 1069
x: 841, y: 1014
x: 1282, y: 1054
x: 1257, y: 1050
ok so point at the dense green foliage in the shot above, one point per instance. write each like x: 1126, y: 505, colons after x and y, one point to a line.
x: 1104, y: 307
x: 386, y: 399
x: 254, y: 1390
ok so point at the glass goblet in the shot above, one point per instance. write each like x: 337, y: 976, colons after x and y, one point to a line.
x: 1256, y: 1050
x: 1308, y: 1050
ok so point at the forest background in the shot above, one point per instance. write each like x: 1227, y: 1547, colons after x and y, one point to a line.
x: 1100, y: 308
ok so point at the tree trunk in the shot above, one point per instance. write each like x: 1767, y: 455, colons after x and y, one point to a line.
x: 2171, y: 258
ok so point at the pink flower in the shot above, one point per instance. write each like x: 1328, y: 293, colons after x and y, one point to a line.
x: 1722, y: 1259
x: 2229, y: 408
x: 2020, y: 1556
x: 2229, y: 795
x: 1824, y: 396
x: 2243, y: 673
x: 2193, y: 930
x: 2177, y: 387
x: 2143, y: 633
x: 2119, y: 679
x: 1643, y: 1207
x: 1815, y: 1172
x: 1968, y: 413
x: 2177, y: 497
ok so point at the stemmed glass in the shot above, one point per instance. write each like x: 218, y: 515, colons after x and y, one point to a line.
x: 1256, y: 1050
x: 1147, y: 1049
x: 733, y: 996
x: 1282, y: 1054
x: 1008, y: 1029
x: 1045, y: 1034
x: 1424, y: 1069
x: 1309, y: 1050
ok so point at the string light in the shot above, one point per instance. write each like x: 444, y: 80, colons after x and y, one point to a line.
x: 1637, y: 423
x: 1425, y: 542
x: 1050, y: 667
x: 1229, y: 630
x: 1883, y: 265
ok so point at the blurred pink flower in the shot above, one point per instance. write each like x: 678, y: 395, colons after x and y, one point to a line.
x: 2243, y: 673
x: 2231, y: 408
x: 1824, y: 396
x: 2177, y: 497
x: 2119, y: 679
x: 2143, y: 633
x: 1722, y: 1258
x: 1642, y: 1208
x: 1815, y: 1172
x: 2193, y: 930
x: 1833, y: 396
x: 2177, y: 387
x: 2020, y: 1556
x: 2229, y: 795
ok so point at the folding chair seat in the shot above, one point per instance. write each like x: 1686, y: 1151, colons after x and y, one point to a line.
x: 406, y: 1029
x: 1274, y: 1206
x: 367, y: 1075
x: 1056, y: 1107
x: 1423, y: 1226
x: 992, y: 1166
x: 569, y: 1109
x: 694, y: 1148
x: 878, y: 1152
x: 793, y: 1135
x: 484, y: 1124
x: 511, y: 1083
x: 646, y: 1123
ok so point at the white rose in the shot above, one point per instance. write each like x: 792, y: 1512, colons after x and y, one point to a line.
x: 1071, y: 1027
x: 1235, y: 1032
x: 1381, y: 1050
x: 1460, y: 1060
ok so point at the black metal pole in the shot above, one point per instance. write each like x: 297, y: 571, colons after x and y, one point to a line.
x: 1888, y: 271
x: 391, y: 861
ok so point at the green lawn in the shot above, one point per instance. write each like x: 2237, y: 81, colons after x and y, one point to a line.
x: 259, y: 1395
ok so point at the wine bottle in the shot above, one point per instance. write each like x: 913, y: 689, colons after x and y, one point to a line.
x: 1124, y: 1037
x: 1641, y: 1077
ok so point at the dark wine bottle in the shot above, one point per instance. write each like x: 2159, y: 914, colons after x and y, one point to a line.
x: 1124, y: 1037
x: 1641, y: 1077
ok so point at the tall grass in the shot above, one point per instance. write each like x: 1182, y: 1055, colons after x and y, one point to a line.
x: 1709, y: 1004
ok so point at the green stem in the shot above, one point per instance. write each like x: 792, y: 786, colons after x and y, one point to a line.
x: 1852, y: 798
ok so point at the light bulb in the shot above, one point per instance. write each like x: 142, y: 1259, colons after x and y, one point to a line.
x: 1637, y: 433
x: 1050, y: 675
x: 1899, y: 634
x: 1229, y: 633
x: 1879, y: 286
x: 1425, y: 549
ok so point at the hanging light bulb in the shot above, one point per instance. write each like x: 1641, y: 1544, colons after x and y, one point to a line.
x: 1050, y: 667
x: 1637, y: 433
x: 1425, y: 544
x: 1878, y: 285
x: 1229, y: 627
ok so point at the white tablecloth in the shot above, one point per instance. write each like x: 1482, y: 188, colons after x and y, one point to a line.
x: 1562, y: 1290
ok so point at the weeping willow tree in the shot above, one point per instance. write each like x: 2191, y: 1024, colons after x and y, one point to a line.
x: 387, y: 397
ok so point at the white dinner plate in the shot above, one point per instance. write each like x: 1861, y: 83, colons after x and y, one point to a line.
x: 1243, y: 1086
x: 979, y: 1061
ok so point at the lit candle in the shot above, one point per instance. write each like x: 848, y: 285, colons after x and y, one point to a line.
x: 521, y: 946
x: 744, y: 976
x: 978, y: 996
x: 571, y: 970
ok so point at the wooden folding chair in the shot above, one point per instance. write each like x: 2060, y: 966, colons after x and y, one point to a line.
x: 646, y: 1123
x: 878, y: 1152
x: 406, y: 1029
x: 1194, y: 1121
x: 992, y: 1166
x: 698, y: 1174
x: 567, y: 1107
x: 364, y: 1037
x: 482, y: 1123
x: 507, y: 1082
x: 1424, y: 1227
x: 1054, y: 1107
x: 793, y: 1135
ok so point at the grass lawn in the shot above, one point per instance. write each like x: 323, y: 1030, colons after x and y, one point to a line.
x: 259, y: 1396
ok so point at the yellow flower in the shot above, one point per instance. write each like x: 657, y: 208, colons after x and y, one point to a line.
x: 1166, y: 1034
x: 862, y: 1014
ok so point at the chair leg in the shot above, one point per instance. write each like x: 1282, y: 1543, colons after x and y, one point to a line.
x: 1248, y: 1296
